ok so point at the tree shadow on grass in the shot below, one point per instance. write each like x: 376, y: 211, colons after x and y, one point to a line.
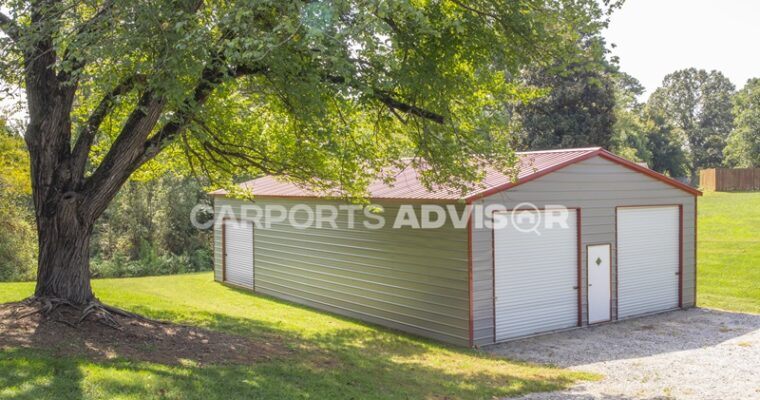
x: 22, y: 325
x: 352, y: 377
x: 28, y: 374
x: 355, y: 363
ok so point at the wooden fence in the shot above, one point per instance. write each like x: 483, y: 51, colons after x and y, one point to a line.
x: 729, y: 180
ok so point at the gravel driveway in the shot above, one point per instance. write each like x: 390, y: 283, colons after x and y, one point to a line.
x: 692, y: 354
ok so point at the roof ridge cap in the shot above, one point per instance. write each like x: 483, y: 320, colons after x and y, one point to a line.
x: 574, y: 150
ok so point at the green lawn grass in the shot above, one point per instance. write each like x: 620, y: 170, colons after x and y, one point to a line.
x: 331, y: 358
x: 728, y: 258
x: 337, y: 358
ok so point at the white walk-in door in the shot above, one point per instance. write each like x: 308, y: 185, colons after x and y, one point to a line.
x: 598, y: 269
x: 238, y: 253
x: 648, y: 260
x: 535, y: 273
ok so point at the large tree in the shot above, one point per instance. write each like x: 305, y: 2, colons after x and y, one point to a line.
x: 327, y: 93
x: 743, y: 148
x: 578, y: 109
x: 665, y: 142
x: 698, y: 103
x: 629, y: 133
x: 641, y: 134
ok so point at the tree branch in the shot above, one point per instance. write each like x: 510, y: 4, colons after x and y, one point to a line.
x: 133, y: 148
x: 117, y: 165
x: 129, y: 150
x: 88, y: 132
x: 9, y: 27
x: 395, y: 104
x: 211, y: 77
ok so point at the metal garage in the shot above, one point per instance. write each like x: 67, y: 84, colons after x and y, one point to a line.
x: 629, y: 249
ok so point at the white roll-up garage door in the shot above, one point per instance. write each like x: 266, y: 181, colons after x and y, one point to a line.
x: 648, y: 260
x: 535, y: 275
x: 238, y: 252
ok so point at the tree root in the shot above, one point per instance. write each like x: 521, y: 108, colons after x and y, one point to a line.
x: 103, y: 316
x: 57, y: 309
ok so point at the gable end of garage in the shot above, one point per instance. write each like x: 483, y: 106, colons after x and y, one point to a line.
x: 596, y: 185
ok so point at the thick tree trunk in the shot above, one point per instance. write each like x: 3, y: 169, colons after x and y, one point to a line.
x: 63, y: 270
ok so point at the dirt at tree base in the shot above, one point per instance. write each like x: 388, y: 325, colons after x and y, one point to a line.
x: 137, y: 340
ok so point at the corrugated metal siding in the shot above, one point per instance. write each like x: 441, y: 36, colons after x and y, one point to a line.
x: 647, y: 259
x: 536, y: 278
x: 596, y: 186
x: 415, y: 280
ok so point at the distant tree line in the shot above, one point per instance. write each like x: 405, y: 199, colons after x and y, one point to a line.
x: 18, y: 246
x: 147, y: 230
x: 696, y: 119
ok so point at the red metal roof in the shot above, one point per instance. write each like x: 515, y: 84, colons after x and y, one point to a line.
x: 408, y: 186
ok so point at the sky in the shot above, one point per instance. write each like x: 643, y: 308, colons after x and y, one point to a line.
x: 656, y: 37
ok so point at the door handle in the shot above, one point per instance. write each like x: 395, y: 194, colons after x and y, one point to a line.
x: 589, y: 285
x: 576, y: 287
